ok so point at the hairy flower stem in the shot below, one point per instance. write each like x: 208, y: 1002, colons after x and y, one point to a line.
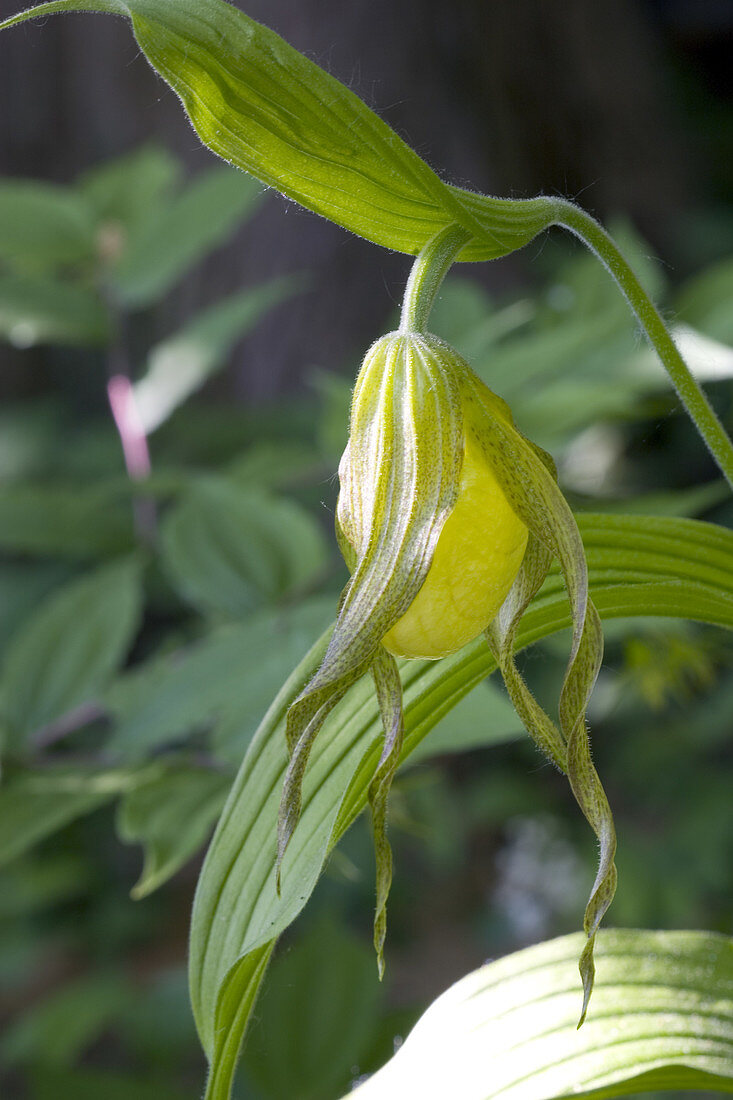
x: 428, y: 271
x: 587, y: 229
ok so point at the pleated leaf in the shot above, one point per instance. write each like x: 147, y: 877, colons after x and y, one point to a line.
x: 238, y: 914
x: 662, y: 1018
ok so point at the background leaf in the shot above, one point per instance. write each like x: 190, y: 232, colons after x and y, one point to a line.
x: 65, y: 653
x: 162, y: 247
x: 41, y: 310
x: 228, y: 549
x: 43, y: 227
x: 34, y: 805
x: 91, y: 1084
x: 316, y: 1016
x: 171, y: 816
x: 22, y: 585
x: 58, y: 1030
x: 181, y: 364
x: 226, y: 681
x: 704, y: 301
x: 79, y: 522
x: 483, y: 717
x: 131, y: 188
x: 661, y: 1017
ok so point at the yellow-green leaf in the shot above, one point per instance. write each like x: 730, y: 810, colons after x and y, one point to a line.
x: 263, y: 106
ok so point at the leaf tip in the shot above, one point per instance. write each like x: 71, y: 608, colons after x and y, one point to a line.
x: 380, y: 935
x: 587, y: 968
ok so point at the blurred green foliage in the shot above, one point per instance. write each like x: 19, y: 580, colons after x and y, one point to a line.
x: 147, y: 624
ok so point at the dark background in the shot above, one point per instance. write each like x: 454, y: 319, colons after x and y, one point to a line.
x: 624, y: 105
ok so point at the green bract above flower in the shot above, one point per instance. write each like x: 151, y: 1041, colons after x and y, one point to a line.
x: 448, y: 519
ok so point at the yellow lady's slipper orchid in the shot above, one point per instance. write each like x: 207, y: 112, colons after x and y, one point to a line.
x: 448, y: 519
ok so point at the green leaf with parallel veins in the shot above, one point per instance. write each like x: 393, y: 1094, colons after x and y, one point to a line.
x: 228, y: 549
x: 189, y: 226
x: 65, y: 653
x: 258, y: 103
x: 662, y: 1018
x: 39, y: 310
x: 43, y: 227
x: 649, y: 567
x: 171, y: 816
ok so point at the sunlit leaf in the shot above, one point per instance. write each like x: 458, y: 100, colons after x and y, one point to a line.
x: 229, y: 549
x: 709, y: 360
x: 171, y: 816
x: 181, y: 364
x: 661, y: 1018
x: 65, y: 653
x: 648, y: 567
x: 266, y: 108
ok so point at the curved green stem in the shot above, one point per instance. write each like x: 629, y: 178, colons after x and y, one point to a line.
x: 593, y: 235
x: 428, y: 271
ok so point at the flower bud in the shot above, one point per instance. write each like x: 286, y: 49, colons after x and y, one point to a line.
x: 481, y: 540
x: 449, y: 519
